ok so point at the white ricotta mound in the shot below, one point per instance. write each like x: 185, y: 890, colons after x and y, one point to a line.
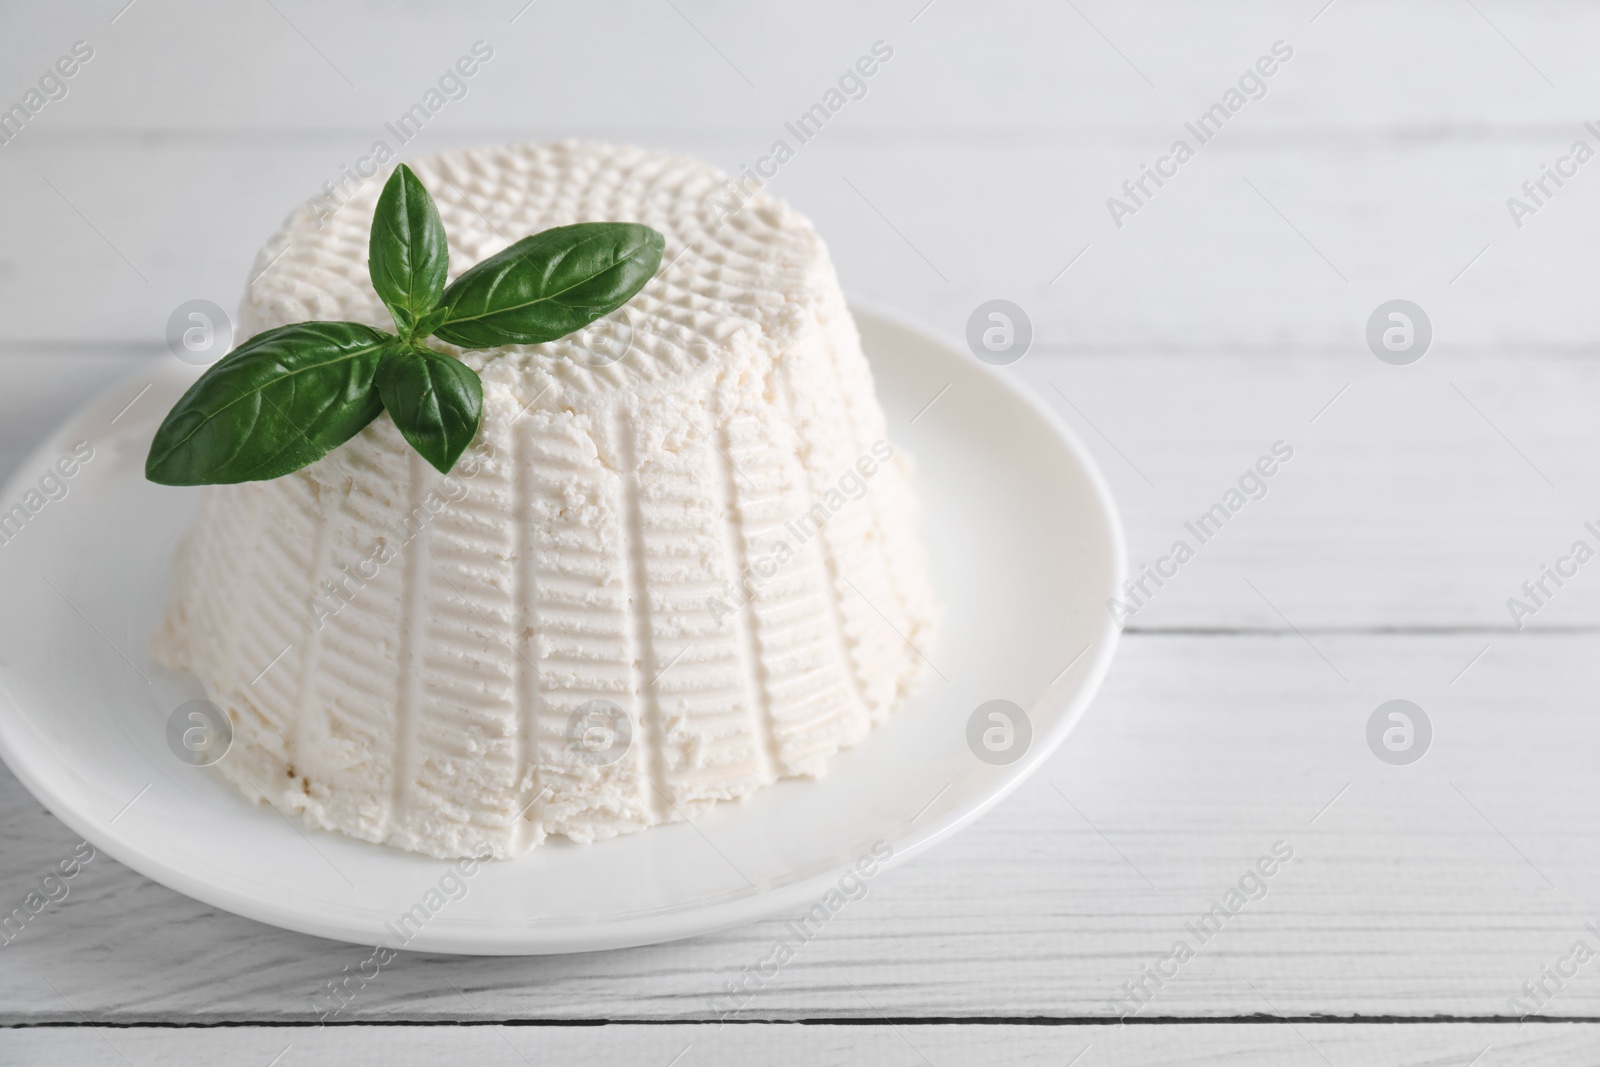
x: 711, y: 535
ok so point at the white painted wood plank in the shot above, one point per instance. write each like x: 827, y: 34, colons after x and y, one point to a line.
x: 131, y: 229
x: 1437, y: 888
x: 1417, y: 499
x: 1219, y: 319
x: 1240, y: 1044
x: 1004, y: 65
x: 1420, y: 496
x: 1378, y: 165
x: 42, y: 389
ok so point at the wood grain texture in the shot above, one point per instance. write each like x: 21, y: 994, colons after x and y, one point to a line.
x: 1437, y: 888
x: 1416, y: 498
x: 895, y: 1045
x: 1224, y: 316
x: 1222, y: 259
x: 979, y: 162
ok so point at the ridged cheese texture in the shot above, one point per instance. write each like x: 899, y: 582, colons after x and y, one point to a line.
x: 712, y: 535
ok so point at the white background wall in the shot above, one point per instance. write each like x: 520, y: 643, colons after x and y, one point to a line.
x: 1221, y: 317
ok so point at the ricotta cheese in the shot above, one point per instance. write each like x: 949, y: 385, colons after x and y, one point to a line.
x: 680, y: 562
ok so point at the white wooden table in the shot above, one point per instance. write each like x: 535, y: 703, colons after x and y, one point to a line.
x: 1227, y: 313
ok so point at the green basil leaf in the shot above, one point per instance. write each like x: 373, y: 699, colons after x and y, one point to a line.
x: 406, y: 254
x: 281, y: 400
x: 429, y: 322
x: 436, y: 401
x: 548, y: 285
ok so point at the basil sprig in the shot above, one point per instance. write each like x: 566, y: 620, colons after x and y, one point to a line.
x: 288, y: 396
x: 274, y: 404
x: 407, y: 257
x: 434, y: 399
x: 582, y: 269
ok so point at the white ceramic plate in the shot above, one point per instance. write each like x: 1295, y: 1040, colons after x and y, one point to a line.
x: 1025, y: 545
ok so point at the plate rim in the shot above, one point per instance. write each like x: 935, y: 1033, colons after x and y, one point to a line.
x: 686, y: 922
